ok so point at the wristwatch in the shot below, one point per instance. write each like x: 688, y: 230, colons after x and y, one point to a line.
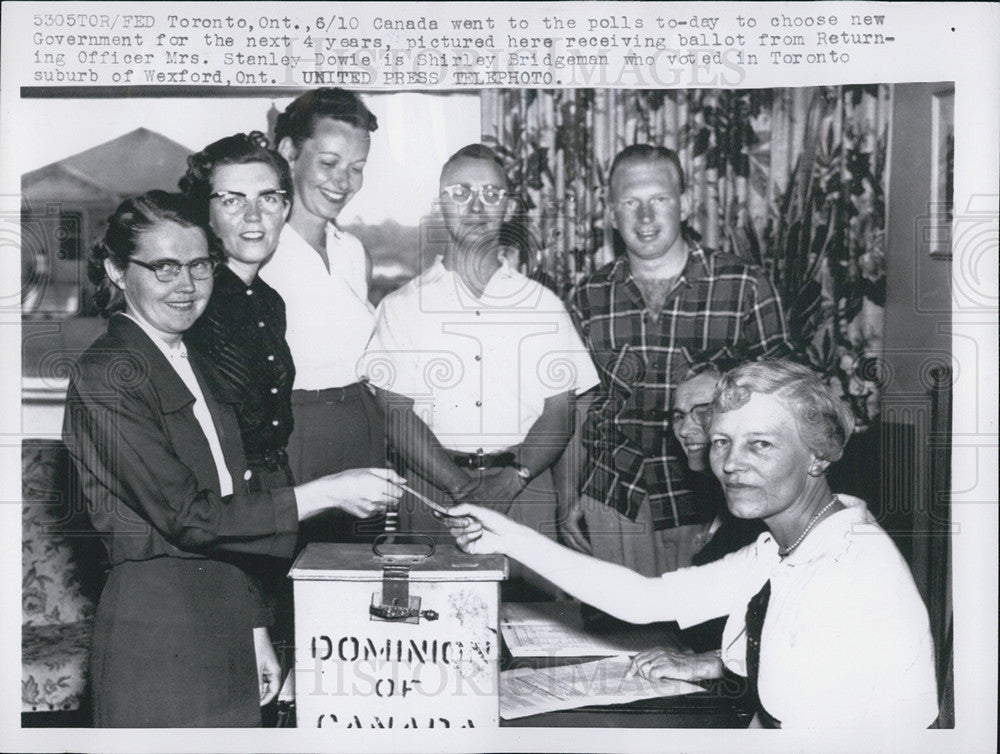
x: 524, y: 473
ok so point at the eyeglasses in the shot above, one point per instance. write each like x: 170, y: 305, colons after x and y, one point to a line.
x: 462, y: 193
x: 657, y: 203
x: 700, y: 414
x: 167, y: 270
x: 235, y: 202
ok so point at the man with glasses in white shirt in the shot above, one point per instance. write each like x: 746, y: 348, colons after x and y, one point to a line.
x: 477, y: 366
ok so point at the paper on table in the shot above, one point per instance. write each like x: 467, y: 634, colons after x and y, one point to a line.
x: 527, y: 691
x: 555, y: 629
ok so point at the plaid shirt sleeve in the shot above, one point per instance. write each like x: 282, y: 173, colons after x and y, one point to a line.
x: 574, y: 305
x: 765, y: 331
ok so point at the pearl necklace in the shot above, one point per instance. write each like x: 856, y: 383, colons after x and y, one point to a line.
x: 797, y: 542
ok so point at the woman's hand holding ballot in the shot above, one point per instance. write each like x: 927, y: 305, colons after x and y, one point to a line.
x: 360, y: 492
x: 481, y: 531
x: 610, y: 587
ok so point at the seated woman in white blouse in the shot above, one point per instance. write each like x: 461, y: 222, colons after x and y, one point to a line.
x: 824, y: 618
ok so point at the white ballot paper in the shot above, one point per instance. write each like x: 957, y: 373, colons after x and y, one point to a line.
x: 555, y: 629
x: 526, y: 691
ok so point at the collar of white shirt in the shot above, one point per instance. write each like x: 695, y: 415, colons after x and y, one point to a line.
x: 172, y: 352
x: 178, y: 359
x: 345, y: 257
x: 437, y: 271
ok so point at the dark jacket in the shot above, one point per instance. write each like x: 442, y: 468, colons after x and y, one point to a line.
x: 145, y: 465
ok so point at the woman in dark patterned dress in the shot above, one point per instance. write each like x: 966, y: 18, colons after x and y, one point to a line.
x: 244, y: 192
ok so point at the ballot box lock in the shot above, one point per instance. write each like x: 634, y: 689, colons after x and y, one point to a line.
x: 398, y: 552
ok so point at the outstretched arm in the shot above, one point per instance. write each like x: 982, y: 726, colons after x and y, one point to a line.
x: 612, y: 588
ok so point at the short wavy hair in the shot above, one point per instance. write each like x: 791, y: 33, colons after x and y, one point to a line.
x: 238, y: 149
x: 298, y: 121
x: 647, y: 153
x: 825, y: 421
x: 133, y: 218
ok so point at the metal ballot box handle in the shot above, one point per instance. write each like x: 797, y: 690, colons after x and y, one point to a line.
x: 397, y: 553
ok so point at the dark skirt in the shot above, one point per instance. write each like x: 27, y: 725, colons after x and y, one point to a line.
x: 336, y: 429
x: 272, y: 573
x: 173, y: 646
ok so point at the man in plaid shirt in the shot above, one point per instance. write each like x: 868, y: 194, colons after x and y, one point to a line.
x: 642, y: 317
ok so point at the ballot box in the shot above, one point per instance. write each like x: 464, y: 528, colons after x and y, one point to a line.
x: 400, y: 634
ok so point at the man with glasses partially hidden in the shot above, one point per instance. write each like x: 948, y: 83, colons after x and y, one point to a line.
x: 627, y: 496
x: 722, y: 533
x: 477, y: 366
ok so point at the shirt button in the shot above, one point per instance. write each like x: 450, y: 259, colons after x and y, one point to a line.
x: 274, y: 390
x: 249, y: 292
x: 275, y: 423
x: 260, y: 324
x: 270, y: 357
x: 247, y: 474
x: 478, y: 357
x: 479, y: 403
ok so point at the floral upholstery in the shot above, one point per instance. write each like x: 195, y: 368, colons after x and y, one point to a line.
x: 54, y: 666
x: 57, y: 613
x: 50, y: 581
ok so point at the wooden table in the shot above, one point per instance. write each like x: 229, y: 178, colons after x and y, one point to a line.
x: 718, y: 707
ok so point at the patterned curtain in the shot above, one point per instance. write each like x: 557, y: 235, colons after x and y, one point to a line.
x: 791, y: 179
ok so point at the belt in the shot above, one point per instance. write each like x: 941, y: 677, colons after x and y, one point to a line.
x: 484, y: 460
x: 272, y: 460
